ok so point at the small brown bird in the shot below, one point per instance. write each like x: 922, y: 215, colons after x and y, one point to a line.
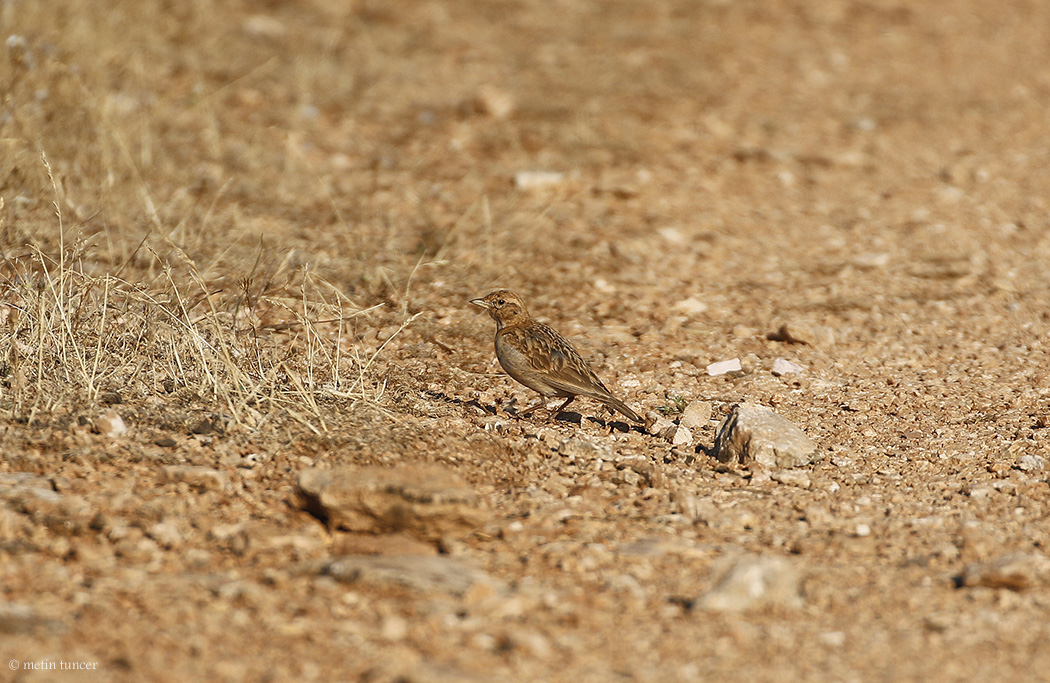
x: 542, y: 359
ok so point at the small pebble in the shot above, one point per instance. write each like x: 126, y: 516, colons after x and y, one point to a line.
x: 494, y: 102
x: 696, y: 415
x: 802, y: 333
x: 532, y: 180
x: 799, y: 478
x: 783, y: 367
x: 724, y: 367
x: 690, y: 306
x: 110, y: 424
x: 681, y: 437
x: 657, y: 424
x: 200, y: 478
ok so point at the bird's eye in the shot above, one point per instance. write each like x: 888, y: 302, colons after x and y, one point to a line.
x: 500, y: 302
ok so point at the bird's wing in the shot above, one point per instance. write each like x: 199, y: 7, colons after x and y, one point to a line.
x: 562, y: 366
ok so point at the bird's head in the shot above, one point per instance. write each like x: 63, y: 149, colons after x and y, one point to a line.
x: 505, y: 307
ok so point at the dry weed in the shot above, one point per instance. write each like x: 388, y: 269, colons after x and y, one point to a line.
x: 72, y: 338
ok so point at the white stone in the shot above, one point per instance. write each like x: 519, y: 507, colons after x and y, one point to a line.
x: 682, y: 437
x: 754, y: 433
x: 110, y: 424
x: 690, y: 306
x: 782, y: 366
x: 1031, y: 463
x: 531, y: 180
x: 723, y: 367
x: 754, y: 581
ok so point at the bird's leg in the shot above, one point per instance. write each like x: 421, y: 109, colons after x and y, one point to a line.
x: 532, y: 409
x: 557, y: 412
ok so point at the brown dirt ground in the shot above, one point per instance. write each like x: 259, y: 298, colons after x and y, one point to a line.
x: 878, y: 169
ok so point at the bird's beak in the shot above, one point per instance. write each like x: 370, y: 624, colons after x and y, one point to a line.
x: 480, y: 302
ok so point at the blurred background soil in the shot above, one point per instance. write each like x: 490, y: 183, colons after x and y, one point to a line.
x: 238, y: 240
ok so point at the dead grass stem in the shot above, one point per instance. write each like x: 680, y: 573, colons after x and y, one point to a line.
x: 72, y: 336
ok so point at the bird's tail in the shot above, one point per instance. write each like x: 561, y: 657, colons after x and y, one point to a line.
x: 620, y: 406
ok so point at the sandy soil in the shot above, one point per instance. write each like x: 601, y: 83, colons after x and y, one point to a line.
x: 313, y: 190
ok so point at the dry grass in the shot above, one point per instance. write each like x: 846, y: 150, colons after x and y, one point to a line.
x: 71, y: 338
x: 131, y: 262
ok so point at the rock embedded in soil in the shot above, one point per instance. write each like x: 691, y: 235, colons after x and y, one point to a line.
x: 1031, y: 463
x: 437, y: 573
x: 799, y: 478
x: 110, y: 424
x: 33, y: 496
x: 754, y: 433
x: 1026, y: 455
x: 670, y: 431
x: 196, y: 477
x: 1015, y: 571
x: 427, y: 501
x: 690, y: 306
x: 166, y: 533
x: 18, y: 618
x: 16, y: 487
x: 754, y: 582
x: 584, y: 449
x: 656, y: 424
x: 696, y: 415
x: 803, y: 333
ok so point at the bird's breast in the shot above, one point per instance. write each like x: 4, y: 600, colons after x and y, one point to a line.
x: 516, y: 364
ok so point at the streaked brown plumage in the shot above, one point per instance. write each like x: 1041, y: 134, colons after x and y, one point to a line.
x: 541, y: 359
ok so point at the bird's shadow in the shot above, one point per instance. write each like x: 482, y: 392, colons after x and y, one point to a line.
x: 472, y: 403
x: 577, y: 419
x: 566, y: 416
